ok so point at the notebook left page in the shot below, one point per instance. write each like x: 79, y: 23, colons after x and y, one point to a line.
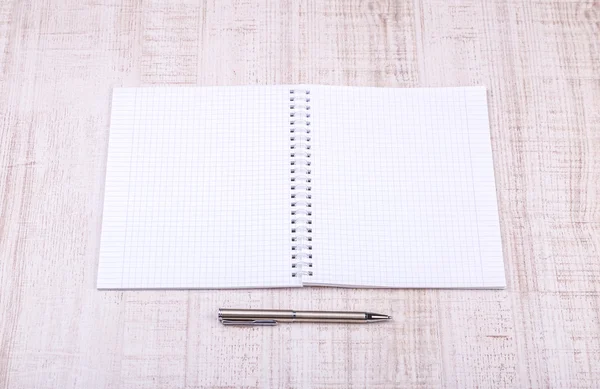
x: 197, y: 189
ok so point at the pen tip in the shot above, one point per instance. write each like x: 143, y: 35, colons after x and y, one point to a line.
x: 377, y: 317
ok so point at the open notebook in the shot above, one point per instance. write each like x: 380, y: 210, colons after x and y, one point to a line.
x: 282, y: 186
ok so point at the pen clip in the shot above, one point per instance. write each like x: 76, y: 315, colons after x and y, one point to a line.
x: 249, y: 322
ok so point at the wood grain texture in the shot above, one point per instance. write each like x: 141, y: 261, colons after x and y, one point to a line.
x: 58, y: 62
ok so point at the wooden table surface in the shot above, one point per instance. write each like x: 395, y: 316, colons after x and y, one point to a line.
x: 59, y: 61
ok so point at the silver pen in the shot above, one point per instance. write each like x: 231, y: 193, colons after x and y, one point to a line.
x: 270, y: 317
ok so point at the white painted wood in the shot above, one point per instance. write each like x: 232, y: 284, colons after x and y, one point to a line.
x: 58, y: 63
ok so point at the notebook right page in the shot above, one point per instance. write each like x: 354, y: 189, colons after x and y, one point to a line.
x: 403, y: 189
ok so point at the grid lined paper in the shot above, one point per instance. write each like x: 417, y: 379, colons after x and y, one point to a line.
x: 197, y: 189
x: 404, y: 192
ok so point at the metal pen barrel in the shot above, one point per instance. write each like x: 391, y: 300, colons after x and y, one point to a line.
x: 283, y: 316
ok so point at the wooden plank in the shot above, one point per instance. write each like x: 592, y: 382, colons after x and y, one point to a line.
x: 58, y: 63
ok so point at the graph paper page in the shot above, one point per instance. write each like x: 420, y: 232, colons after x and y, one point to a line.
x: 197, y: 189
x: 404, y: 192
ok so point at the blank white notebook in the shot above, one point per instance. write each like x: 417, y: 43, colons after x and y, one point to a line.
x: 293, y: 185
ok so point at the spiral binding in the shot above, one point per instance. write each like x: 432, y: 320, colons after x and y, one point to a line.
x: 301, y: 182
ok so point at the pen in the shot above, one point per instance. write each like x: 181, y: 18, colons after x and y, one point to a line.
x: 270, y: 317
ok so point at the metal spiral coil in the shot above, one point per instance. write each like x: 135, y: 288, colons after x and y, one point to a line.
x: 301, y: 182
